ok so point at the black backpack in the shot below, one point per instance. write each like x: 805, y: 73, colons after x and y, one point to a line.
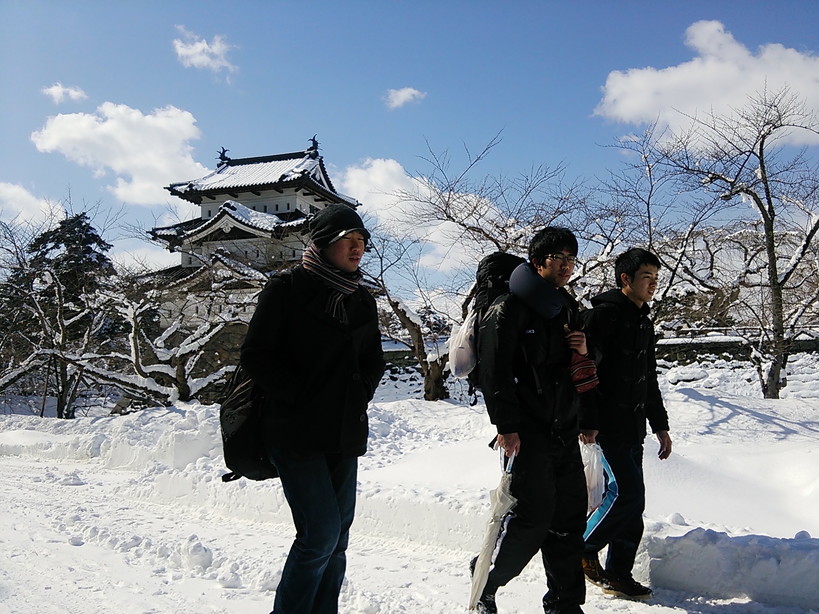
x: 491, y: 282
x: 240, y: 419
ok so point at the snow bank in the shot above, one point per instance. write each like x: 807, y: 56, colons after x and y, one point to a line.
x: 757, y: 567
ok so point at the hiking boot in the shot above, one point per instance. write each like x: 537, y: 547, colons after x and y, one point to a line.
x: 594, y: 571
x: 626, y: 587
x: 486, y: 605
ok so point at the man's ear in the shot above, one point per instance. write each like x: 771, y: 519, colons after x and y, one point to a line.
x: 625, y: 280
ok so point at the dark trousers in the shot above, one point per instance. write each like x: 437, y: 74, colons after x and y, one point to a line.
x: 618, y: 522
x: 550, y: 486
x: 321, y: 493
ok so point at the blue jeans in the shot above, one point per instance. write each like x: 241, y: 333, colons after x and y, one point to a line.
x: 321, y: 492
x: 618, y: 522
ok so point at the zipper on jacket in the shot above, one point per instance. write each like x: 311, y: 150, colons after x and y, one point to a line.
x: 538, y: 387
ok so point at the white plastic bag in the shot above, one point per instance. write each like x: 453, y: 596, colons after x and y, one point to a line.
x: 592, y: 456
x: 463, y: 355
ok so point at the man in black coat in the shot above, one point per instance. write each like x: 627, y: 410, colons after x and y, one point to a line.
x: 314, y: 349
x: 621, y: 332
x: 525, y: 344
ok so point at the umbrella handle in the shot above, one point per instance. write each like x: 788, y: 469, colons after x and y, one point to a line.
x: 506, y: 462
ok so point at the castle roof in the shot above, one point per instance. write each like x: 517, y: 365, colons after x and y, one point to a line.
x: 231, y: 214
x: 301, y: 169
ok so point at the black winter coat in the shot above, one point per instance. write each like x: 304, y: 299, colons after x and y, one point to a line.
x: 622, y: 335
x: 317, y: 374
x: 524, y: 369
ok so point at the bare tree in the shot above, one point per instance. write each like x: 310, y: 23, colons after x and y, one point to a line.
x: 476, y: 215
x: 16, y: 359
x: 396, y: 259
x: 739, y: 167
x: 491, y: 213
x: 180, y: 359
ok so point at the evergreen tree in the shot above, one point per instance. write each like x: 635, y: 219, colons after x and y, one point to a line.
x: 54, y: 292
x: 75, y: 253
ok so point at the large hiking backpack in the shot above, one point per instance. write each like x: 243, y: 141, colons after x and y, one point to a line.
x: 491, y: 282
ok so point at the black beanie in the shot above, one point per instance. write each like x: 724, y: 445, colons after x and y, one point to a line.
x: 333, y: 222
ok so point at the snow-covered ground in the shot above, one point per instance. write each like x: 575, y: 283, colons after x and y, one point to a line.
x: 127, y: 514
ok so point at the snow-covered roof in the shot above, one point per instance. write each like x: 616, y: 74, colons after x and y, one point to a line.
x: 222, y: 268
x: 266, y: 223
x: 174, y: 230
x: 298, y: 169
x: 258, y: 219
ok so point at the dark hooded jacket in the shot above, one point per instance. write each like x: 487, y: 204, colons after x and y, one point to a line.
x: 622, y: 335
x: 524, y: 360
x: 317, y: 374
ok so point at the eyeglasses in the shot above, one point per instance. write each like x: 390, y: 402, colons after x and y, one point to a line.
x: 562, y: 258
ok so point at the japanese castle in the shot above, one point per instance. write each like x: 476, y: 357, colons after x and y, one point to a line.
x: 252, y: 221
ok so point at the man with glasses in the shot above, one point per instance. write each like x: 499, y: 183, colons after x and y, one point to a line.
x: 622, y: 333
x: 525, y: 345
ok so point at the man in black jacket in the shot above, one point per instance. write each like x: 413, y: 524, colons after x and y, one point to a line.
x: 314, y: 349
x: 525, y: 343
x: 620, y: 330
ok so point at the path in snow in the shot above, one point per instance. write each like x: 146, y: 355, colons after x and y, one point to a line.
x: 81, y: 547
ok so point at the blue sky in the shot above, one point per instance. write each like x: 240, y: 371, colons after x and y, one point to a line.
x: 111, y: 101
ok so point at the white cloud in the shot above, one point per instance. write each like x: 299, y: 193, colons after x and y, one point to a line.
x: 58, y: 93
x: 144, y: 152
x: 19, y: 206
x: 721, y: 77
x: 196, y: 52
x: 398, y: 98
x: 137, y: 256
x: 375, y: 184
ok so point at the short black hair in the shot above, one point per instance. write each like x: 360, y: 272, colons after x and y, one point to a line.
x: 552, y: 240
x: 630, y: 261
